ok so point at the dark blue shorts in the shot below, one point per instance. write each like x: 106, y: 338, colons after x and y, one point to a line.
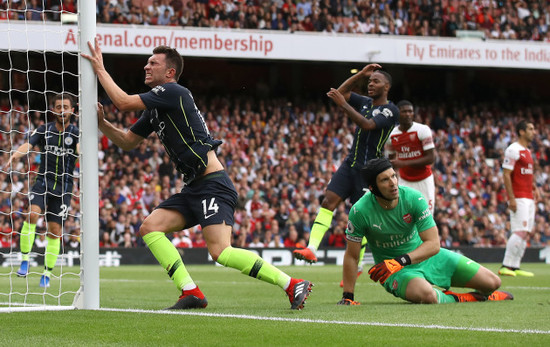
x: 347, y: 183
x: 208, y: 200
x: 55, y: 205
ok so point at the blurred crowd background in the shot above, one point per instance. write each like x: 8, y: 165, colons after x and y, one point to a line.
x: 506, y: 19
x: 281, y: 156
x: 280, y: 150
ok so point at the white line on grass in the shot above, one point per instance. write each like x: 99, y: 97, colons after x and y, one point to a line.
x: 319, y: 321
x: 529, y: 288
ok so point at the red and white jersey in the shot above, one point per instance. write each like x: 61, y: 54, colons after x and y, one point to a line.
x: 518, y: 159
x: 409, y: 145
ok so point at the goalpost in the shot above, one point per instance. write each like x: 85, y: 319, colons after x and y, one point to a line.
x: 37, y: 61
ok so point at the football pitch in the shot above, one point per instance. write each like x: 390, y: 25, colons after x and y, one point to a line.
x: 243, y: 311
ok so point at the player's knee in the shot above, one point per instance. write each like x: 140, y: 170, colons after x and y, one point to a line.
x: 422, y: 294
x: 429, y: 297
x: 494, y: 283
x: 145, y: 229
x: 215, y: 252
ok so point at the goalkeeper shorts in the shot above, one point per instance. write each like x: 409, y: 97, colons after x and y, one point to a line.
x: 445, y: 269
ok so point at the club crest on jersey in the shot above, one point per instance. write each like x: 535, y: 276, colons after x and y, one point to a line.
x: 69, y: 141
x: 407, y: 218
x: 394, y: 285
x: 412, y: 137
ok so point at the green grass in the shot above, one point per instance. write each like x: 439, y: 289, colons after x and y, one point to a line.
x: 243, y: 312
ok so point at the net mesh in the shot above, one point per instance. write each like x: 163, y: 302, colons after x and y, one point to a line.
x: 36, y: 63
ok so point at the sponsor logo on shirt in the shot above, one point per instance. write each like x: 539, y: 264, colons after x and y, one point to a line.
x: 425, y: 214
x: 158, y: 89
x: 387, y: 113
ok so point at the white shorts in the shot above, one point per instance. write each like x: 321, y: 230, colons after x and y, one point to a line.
x: 524, y: 217
x: 425, y: 186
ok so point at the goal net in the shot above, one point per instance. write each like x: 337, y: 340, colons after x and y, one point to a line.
x: 40, y: 177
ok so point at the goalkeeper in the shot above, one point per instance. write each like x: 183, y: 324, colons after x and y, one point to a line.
x: 404, y: 241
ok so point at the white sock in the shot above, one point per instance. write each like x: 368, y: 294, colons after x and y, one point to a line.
x: 189, y: 286
x: 514, y: 251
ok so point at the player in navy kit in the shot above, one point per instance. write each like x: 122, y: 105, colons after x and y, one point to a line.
x: 208, y: 198
x: 375, y: 117
x: 52, y: 191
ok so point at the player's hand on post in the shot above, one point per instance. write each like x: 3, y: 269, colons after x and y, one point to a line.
x: 347, y: 300
x: 383, y: 270
x: 95, y: 57
x: 100, y: 113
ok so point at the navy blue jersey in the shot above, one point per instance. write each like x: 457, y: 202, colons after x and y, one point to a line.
x: 59, y: 158
x: 368, y: 145
x: 171, y: 113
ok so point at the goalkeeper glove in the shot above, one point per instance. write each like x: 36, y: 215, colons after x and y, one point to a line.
x: 347, y: 300
x: 383, y: 270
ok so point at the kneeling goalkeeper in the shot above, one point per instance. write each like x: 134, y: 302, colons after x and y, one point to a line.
x: 404, y: 241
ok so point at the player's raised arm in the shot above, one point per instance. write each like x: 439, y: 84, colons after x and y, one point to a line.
x: 348, y: 85
x: 119, y: 97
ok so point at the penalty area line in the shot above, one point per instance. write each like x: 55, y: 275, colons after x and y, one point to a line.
x: 320, y: 321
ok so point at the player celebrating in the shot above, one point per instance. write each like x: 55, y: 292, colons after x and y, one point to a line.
x: 375, y: 118
x: 404, y: 241
x: 522, y: 191
x: 208, y: 198
x: 411, y: 150
x: 53, y: 188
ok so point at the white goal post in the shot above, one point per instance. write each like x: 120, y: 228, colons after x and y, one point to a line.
x: 53, y: 53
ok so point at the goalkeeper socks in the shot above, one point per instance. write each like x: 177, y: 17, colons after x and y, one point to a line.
x: 251, y: 264
x: 320, y: 226
x: 52, y: 251
x: 515, y: 247
x: 169, y: 258
x: 28, y: 232
x: 443, y: 298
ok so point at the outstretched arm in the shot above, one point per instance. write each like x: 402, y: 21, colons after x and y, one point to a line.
x: 119, y: 97
x: 349, y: 273
x: 356, y: 117
x: 19, y: 152
x: 348, y: 85
x: 126, y: 140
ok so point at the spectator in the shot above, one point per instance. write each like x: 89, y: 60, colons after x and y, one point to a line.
x: 182, y: 240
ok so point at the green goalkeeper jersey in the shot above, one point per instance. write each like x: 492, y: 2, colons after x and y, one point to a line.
x: 390, y: 233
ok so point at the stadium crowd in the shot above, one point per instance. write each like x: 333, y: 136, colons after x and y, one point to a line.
x: 509, y: 20
x: 280, y: 157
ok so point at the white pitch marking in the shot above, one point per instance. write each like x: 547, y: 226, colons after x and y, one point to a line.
x: 320, y: 321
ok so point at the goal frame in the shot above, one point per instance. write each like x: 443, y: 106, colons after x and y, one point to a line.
x: 87, y: 296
